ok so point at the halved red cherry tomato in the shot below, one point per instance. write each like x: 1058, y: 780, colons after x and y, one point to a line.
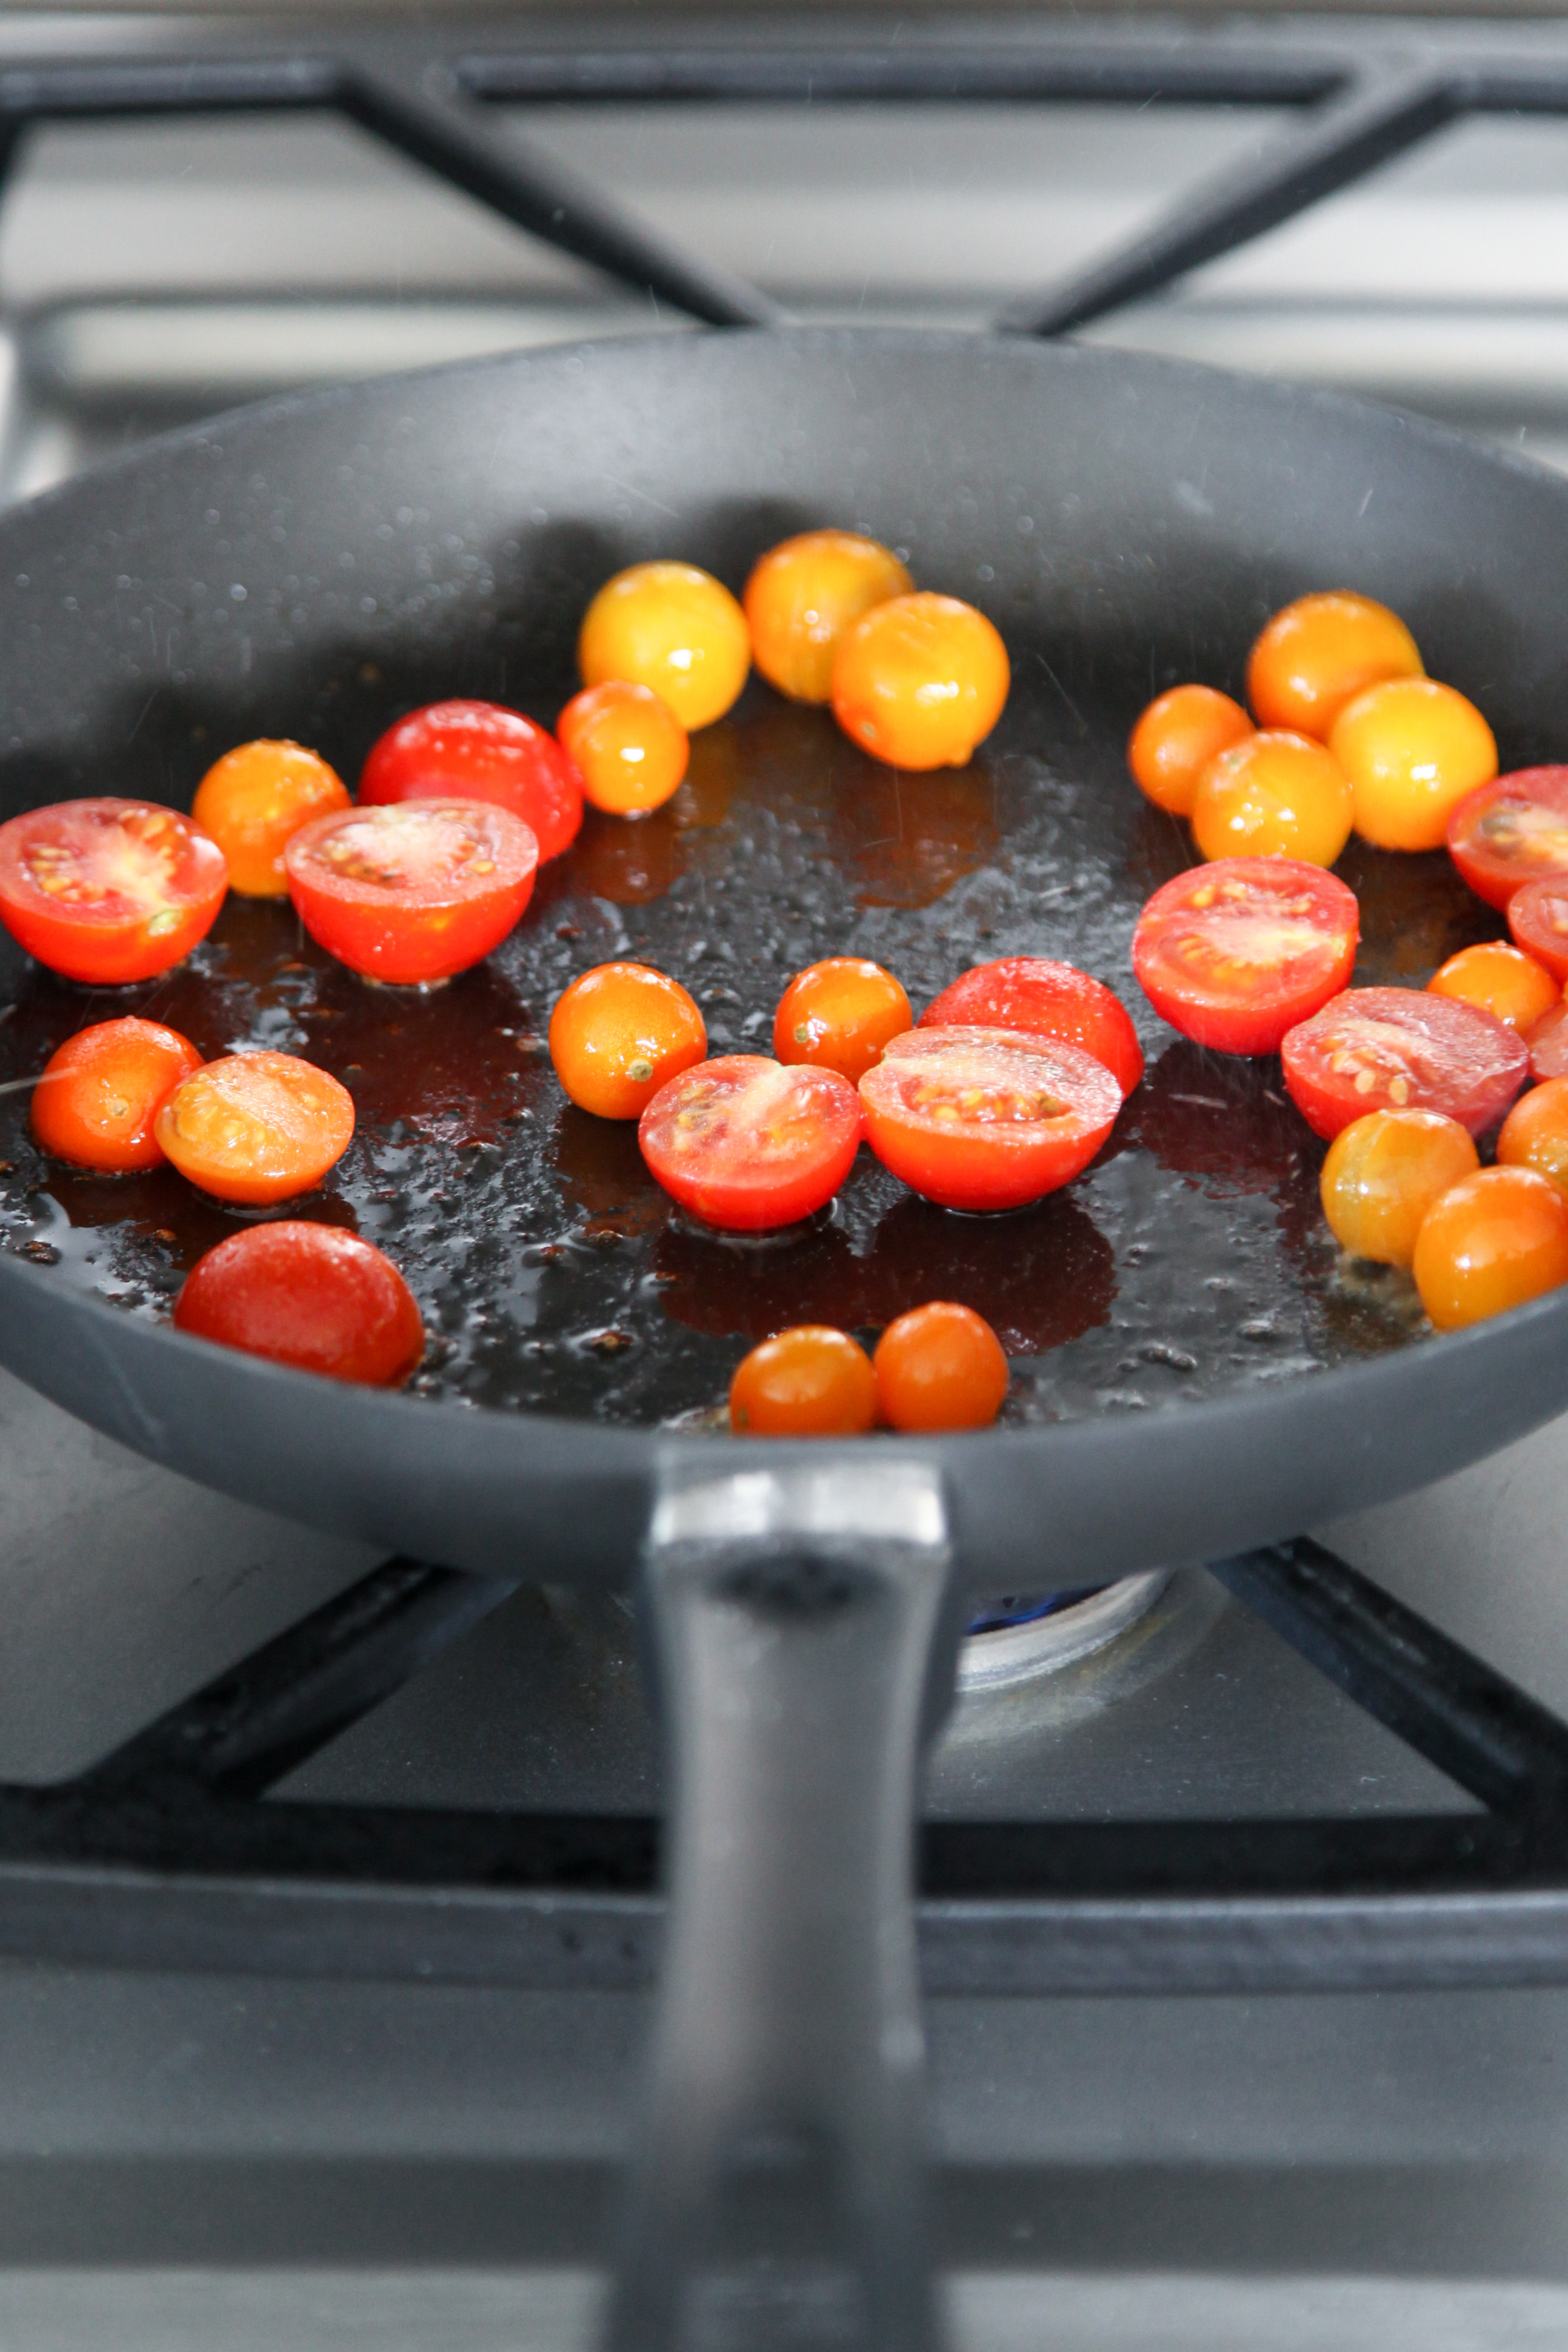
x: 987, y: 1119
x: 256, y: 1127
x: 108, y: 891
x: 1234, y: 953
x: 312, y: 1295
x: 416, y: 891
x: 744, y: 1144
x: 1043, y: 999
x: 94, y: 1103
x: 1537, y: 918
x: 1511, y: 831
x: 1548, y: 1044
x: 479, y: 751
x: 1402, y: 1049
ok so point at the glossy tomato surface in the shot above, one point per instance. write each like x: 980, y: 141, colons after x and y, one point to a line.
x: 95, y: 1102
x: 987, y: 1119
x: 479, y: 751
x: 812, y: 1381
x: 414, y: 890
x: 1537, y: 918
x: 1234, y: 953
x: 254, y: 800
x: 1511, y: 831
x: 1402, y: 1049
x: 1044, y: 999
x: 941, y: 1366
x: 310, y: 1296
x: 744, y: 1144
x: 108, y: 891
x: 256, y: 1127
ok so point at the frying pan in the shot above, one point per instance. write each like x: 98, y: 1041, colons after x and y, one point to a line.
x: 1196, y: 1372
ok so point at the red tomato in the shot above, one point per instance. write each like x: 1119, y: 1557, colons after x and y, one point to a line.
x: 746, y: 1143
x: 479, y: 751
x: 413, y: 892
x: 312, y: 1295
x: 1402, y: 1049
x: 1235, y: 952
x: 1045, y: 1000
x: 108, y: 891
x: 1537, y: 918
x: 1511, y: 831
x: 1548, y: 1044
x: 987, y: 1119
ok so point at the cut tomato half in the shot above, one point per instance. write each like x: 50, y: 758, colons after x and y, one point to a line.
x: 1235, y: 952
x: 479, y: 751
x: 1548, y: 1044
x: 746, y: 1143
x: 1537, y: 918
x: 987, y: 1119
x: 1402, y: 1049
x: 108, y: 891
x: 1511, y: 831
x: 1044, y: 999
x: 413, y: 892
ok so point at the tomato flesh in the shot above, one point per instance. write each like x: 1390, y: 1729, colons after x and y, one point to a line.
x: 1402, y: 1049
x: 1548, y: 1044
x: 1511, y: 831
x: 256, y: 1127
x: 415, y: 890
x: 479, y: 751
x: 108, y: 891
x: 746, y: 1143
x: 1237, y: 952
x: 310, y: 1296
x: 1044, y: 999
x: 987, y: 1119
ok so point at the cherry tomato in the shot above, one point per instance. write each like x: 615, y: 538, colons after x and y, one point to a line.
x: 108, y: 891
x: 414, y: 891
x: 802, y: 597
x: 1537, y: 918
x: 1535, y: 1133
x: 1385, y: 1171
x: 1043, y: 999
x: 95, y: 1102
x: 629, y: 748
x: 838, y: 1015
x: 1319, y: 654
x: 1413, y: 750
x: 674, y: 628
x: 478, y: 752
x: 1489, y: 1243
x: 1274, y: 795
x: 256, y: 1127
x: 920, y: 680
x: 254, y: 800
x: 1402, y: 1049
x: 940, y: 1367
x: 1548, y: 1044
x: 808, y: 1382
x: 1511, y: 831
x: 310, y: 1296
x: 986, y: 1118
x: 1501, y: 980
x: 1234, y: 954
x: 744, y: 1144
x: 619, y: 1033
x: 1175, y: 739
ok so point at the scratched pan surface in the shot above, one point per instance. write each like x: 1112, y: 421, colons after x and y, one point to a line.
x: 1194, y: 1365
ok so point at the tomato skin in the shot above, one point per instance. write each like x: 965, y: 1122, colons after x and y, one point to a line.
x: 256, y: 1127
x: 1385, y: 1171
x: 1535, y: 1133
x: 1234, y: 953
x: 470, y: 866
x: 254, y: 799
x: 1413, y: 750
x: 1319, y: 653
x: 1490, y: 1244
x: 619, y: 1033
x: 923, y: 1124
x: 1511, y: 831
x: 674, y: 627
x: 1175, y: 740
x: 310, y: 1296
x: 1273, y: 795
x: 940, y: 1367
x: 1413, y: 1050
x: 1043, y: 999
x: 629, y: 748
x: 159, y: 880
x: 808, y: 1382
x: 919, y: 680
x: 803, y: 594
x: 95, y: 1101
x: 1503, y: 980
x: 1548, y: 1044
x: 479, y: 751
x: 1537, y: 918
x: 745, y: 1144
x: 839, y: 1014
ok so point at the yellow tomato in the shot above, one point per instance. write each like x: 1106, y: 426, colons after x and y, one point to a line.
x: 1501, y: 980
x: 1274, y: 795
x: 1535, y: 1133
x: 674, y: 628
x: 920, y: 680
x: 1385, y: 1171
x: 839, y: 1014
x: 802, y: 597
x: 629, y: 747
x: 619, y: 1033
x: 1319, y: 654
x: 1412, y: 750
x: 1490, y: 1243
x: 1175, y: 739
x: 254, y: 800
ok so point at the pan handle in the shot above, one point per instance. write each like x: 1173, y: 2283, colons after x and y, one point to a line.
x: 802, y: 1637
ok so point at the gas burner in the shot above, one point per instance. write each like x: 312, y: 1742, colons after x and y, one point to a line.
x: 1017, y: 1639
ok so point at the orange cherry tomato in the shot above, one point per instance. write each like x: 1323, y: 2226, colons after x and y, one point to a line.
x: 1535, y: 1133
x: 94, y: 1103
x: 1490, y: 1243
x: 310, y: 1296
x: 1385, y: 1171
x: 1412, y: 750
x: 1175, y: 739
x: 987, y: 1119
x: 940, y: 1367
x: 746, y: 1144
x: 920, y: 680
x: 254, y: 801
x: 839, y: 1014
x: 674, y: 628
x: 256, y: 1127
x: 1274, y: 795
x: 629, y: 748
x: 414, y: 890
x: 810, y: 1382
x: 1537, y: 918
x: 1501, y: 980
x: 108, y: 891
x: 1319, y: 654
x: 619, y: 1033
x: 802, y: 597
x: 478, y: 752
x: 1043, y: 999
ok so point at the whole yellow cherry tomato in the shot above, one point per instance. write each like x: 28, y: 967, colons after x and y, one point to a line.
x: 839, y: 1014
x: 1501, y: 980
x: 629, y: 747
x: 802, y: 597
x: 1274, y: 795
x: 1175, y: 740
x: 920, y: 680
x: 674, y: 628
x: 1385, y: 1171
x: 1412, y: 750
x: 1490, y: 1243
x: 1535, y: 1133
x: 254, y: 800
x: 1319, y: 654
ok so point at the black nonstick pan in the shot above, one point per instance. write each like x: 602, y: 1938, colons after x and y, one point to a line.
x: 1195, y: 1369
